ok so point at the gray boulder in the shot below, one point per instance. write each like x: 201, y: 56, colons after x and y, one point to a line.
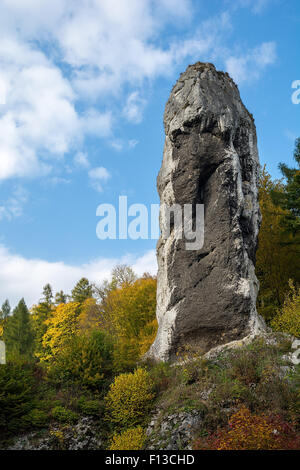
x: 207, y: 297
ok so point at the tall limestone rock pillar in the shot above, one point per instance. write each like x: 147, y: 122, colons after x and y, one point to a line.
x: 207, y: 297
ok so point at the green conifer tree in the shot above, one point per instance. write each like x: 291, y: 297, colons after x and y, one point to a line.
x: 18, y: 333
x: 82, y: 291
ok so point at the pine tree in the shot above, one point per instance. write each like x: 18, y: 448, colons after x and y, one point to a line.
x: 18, y: 334
x: 47, y: 295
x: 40, y: 314
x: 5, y: 310
x: 60, y: 298
x: 82, y: 291
x: 289, y: 198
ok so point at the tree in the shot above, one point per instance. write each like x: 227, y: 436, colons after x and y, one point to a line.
x: 5, y: 310
x: 288, y: 316
x: 276, y: 259
x: 289, y: 198
x: 130, y: 312
x: 62, y: 325
x: 86, y: 359
x: 91, y: 316
x: 18, y: 334
x: 82, y: 291
x: 4, y: 314
x: 60, y: 297
x: 40, y: 314
x: 47, y: 295
x: 122, y: 274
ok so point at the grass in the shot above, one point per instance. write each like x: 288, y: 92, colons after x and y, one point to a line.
x: 253, y: 376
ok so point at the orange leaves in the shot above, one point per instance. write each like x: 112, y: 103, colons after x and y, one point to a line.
x: 247, y: 431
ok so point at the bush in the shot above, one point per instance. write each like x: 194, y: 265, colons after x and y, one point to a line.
x: 288, y: 318
x: 16, y: 397
x: 130, y: 398
x: 36, y: 418
x: 162, y: 374
x: 131, y: 439
x: 85, y: 360
x: 63, y: 415
x: 89, y: 407
x: 252, y: 432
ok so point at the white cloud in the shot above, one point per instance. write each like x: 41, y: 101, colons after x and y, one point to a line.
x: 132, y: 143
x: 117, y: 145
x: 207, y: 42
x: 13, y: 206
x: 133, y: 110
x: 59, y: 180
x: 39, y: 119
x: 15, y: 282
x: 257, y: 6
x: 97, y: 175
x: 250, y: 65
x: 3, y: 91
x: 82, y: 160
x: 96, y: 123
x: 120, y: 145
x: 56, y: 55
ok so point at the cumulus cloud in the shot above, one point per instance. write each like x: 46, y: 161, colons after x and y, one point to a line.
x: 206, y: 42
x: 39, y: 117
x: 81, y: 159
x: 13, y: 206
x: 250, y: 65
x: 40, y: 123
x: 133, y: 109
x: 16, y: 283
x: 257, y: 6
x: 96, y: 123
x: 119, y: 144
x: 63, y: 63
x: 97, y: 176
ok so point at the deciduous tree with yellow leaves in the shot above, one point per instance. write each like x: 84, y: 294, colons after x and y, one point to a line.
x: 277, y: 258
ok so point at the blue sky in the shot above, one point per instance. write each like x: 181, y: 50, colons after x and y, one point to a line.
x: 83, y: 85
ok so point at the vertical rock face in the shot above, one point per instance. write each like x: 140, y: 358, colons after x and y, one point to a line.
x: 207, y: 297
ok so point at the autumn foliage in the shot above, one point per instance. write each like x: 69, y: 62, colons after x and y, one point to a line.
x: 288, y: 317
x: 277, y: 258
x: 130, y: 398
x: 248, y: 431
x: 131, y: 439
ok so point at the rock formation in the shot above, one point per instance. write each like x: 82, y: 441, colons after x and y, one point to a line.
x: 207, y: 297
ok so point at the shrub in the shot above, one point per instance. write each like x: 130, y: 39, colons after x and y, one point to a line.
x: 288, y: 318
x: 131, y: 439
x: 16, y: 397
x: 130, y: 398
x: 85, y: 360
x: 63, y: 415
x: 36, y: 418
x: 252, y: 432
x: 162, y: 375
x: 89, y: 407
